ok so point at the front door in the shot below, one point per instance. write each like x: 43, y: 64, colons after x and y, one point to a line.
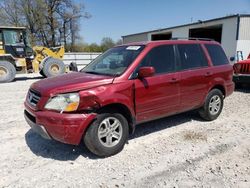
x: 158, y: 96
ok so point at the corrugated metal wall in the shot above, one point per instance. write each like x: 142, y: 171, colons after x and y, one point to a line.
x: 244, y: 32
x: 136, y: 38
x: 81, y: 59
x: 228, y: 40
x: 243, y: 44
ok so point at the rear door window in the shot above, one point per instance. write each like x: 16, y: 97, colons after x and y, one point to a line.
x: 217, y: 54
x: 162, y: 58
x: 191, y: 56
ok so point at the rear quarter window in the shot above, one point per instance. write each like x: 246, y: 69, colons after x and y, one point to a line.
x: 217, y: 54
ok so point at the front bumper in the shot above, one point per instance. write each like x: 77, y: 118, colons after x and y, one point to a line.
x: 241, y: 78
x: 66, y: 128
x: 39, y: 129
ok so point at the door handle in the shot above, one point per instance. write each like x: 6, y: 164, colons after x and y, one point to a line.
x: 208, y: 74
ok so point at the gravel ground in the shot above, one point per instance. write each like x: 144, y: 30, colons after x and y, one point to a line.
x: 178, y: 151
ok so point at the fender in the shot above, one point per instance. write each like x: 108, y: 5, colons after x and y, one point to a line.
x: 8, y: 57
x: 96, y: 98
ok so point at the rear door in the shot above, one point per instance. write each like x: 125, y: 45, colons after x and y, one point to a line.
x: 158, y: 96
x: 222, y: 70
x: 195, y: 75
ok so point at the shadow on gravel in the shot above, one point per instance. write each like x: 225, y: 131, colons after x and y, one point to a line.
x: 55, y: 150
x: 244, y: 88
x: 63, y: 152
x: 27, y: 78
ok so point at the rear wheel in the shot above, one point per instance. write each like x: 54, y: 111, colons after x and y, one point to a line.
x: 107, y: 135
x: 52, y: 67
x: 7, y: 72
x: 212, y: 106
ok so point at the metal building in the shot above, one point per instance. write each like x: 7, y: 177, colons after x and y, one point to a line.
x: 233, y: 32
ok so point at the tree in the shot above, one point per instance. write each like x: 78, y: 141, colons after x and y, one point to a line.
x: 71, y: 14
x: 10, y: 13
x: 107, y: 43
x: 119, y: 42
x: 92, y: 48
x: 50, y: 22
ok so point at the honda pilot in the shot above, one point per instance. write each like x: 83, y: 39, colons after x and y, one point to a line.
x: 126, y: 86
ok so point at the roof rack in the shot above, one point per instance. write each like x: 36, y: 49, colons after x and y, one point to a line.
x: 191, y: 38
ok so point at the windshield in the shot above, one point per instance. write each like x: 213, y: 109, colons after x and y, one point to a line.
x: 13, y: 37
x: 114, y: 61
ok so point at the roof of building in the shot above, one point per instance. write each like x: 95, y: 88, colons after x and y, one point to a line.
x: 195, y: 23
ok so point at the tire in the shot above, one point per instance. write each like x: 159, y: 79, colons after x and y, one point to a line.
x: 53, y: 67
x: 7, y: 72
x: 99, y: 139
x: 213, y: 105
x: 41, y: 72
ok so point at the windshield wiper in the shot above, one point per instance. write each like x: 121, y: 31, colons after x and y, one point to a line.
x: 91, y: 72
x: 98, y: 73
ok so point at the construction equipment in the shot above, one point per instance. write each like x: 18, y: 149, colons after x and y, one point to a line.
x: 16, y: 56
x: 49, y: 60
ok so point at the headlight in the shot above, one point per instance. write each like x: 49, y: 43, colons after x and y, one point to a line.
x: 64, y: 102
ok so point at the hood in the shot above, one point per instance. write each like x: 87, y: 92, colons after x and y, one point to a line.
x: 71, y: 82
x: 246, y: 61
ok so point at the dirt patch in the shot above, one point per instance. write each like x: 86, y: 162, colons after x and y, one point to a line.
x: 195, y: 136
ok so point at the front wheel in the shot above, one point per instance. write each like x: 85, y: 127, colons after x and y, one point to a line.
x: 212, y: 106
x: 107, y: 135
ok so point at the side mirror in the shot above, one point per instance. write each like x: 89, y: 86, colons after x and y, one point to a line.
x: 232, y: 58
x: 146, y: 72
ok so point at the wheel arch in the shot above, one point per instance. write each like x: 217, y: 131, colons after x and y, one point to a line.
x: 122, y: 109
x: 219, y: 87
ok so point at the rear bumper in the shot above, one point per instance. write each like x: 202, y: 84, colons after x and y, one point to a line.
x: 66, y: 128
x: 242, y: 78
x: 230, y: 88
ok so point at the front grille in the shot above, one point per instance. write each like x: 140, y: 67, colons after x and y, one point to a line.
x: 245, y: 68
x: 33, y: 97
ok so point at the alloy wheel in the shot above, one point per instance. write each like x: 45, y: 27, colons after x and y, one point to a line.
x: 214, y: 105
x: 110, y: 132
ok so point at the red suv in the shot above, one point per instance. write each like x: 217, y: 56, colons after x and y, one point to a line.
x: 128, y: 85
x: 242, y: 72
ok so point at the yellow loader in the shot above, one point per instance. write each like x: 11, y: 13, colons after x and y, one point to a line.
x: 16, y: 56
